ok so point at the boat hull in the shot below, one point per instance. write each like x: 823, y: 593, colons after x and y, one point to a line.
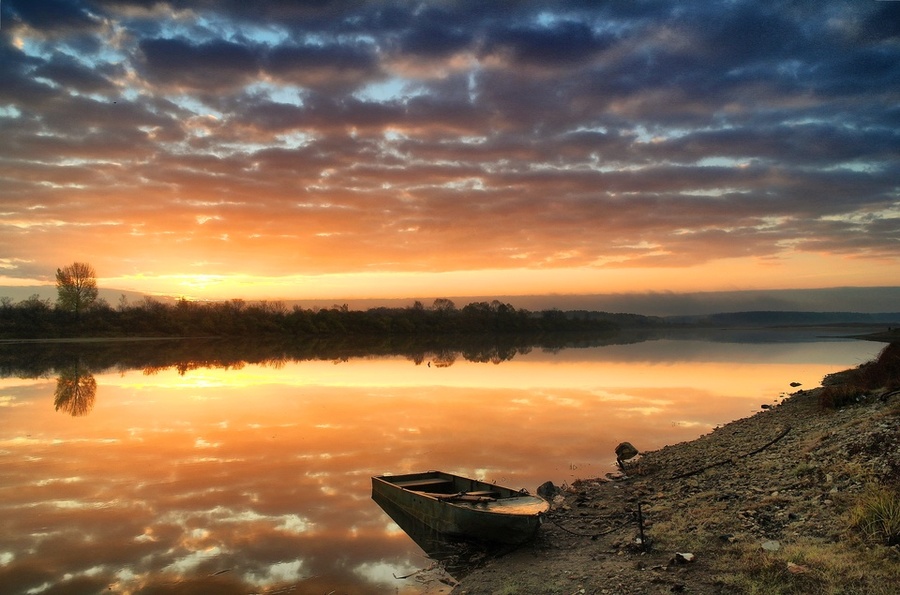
x: 463, y: 507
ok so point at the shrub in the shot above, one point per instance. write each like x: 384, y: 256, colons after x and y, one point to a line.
x: 877, y: 515
x: 883, y: 372
x: 838, y: 395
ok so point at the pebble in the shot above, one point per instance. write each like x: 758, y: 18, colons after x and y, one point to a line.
x: 771, y: 546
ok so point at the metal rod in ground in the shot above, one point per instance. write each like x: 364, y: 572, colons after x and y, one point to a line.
x: 640, y: 520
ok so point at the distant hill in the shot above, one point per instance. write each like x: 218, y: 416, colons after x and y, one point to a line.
x: 781, y: 318
x: 665, y: 303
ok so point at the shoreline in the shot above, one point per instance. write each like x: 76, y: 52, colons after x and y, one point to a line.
x: 763, y: 504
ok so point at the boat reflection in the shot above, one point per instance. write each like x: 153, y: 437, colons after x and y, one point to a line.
x: 455, y: 557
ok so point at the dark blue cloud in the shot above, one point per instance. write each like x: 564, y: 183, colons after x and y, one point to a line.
x: 323, y: 66
x: 881, y: 24
x: 69, y: 72
x: 209, y: 66
x: 50, y: 15
x: 19, y: 87
x: 560, y: 44
x: 435, y: 39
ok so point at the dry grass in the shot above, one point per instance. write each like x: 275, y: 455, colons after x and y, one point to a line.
x: 850, y: 565
x: 803, y: 567
x: 882, y: 373
x: 877, y: 515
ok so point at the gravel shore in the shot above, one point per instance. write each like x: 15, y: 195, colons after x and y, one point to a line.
x: 761, y: 505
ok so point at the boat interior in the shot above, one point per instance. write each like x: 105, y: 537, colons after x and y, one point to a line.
x: 439, y: 486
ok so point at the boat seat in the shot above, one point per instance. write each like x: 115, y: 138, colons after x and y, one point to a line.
x: 430, y: 485
x: 486, y: 493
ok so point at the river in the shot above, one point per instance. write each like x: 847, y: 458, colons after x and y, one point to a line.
x: 255, y: 477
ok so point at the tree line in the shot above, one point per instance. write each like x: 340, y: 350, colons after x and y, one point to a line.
x: 36, y: 318
x: 79, y: 313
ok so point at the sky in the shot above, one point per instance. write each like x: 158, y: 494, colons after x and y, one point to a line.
x: 278, y: 149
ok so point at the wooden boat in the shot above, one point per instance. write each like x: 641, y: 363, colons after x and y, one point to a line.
x: 459, y: 506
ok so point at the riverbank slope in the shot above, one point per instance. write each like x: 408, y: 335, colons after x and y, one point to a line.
x: 774, y: 503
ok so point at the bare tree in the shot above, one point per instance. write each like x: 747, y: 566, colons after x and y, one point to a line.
x: 76, y: 286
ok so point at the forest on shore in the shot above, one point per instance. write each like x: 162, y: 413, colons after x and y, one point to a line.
x: 80, y: 313
x: 40, y: 319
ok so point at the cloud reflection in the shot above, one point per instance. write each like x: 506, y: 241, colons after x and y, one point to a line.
x: 266, y: 484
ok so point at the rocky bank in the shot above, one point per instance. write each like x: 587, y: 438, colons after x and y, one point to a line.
x: 765, y: 504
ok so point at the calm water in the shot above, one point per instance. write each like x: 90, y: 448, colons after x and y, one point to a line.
x: 256, y: 478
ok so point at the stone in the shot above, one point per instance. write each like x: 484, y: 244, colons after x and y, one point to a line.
x: 771, y: 546
x: 625, y: 451
x: 795, y: 384
x: 548, y: 490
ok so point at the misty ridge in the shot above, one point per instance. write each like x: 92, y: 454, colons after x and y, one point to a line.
x: 647, y: 303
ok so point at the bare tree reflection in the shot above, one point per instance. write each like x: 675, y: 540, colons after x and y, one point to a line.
x: 76, y: 390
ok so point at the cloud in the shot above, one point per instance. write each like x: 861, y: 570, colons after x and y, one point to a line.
x: 320, y: 66
x: 211, y: 66
x: 561, y: 44
x: 66, y: 71
x: 344, y: 137
x: 51, y: 15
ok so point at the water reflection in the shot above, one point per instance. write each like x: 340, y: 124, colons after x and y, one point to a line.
x: 35, y: 359
x: 239, y: 476
x: 76, y: 390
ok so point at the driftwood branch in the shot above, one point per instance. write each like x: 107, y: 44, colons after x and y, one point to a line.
x: 726, y: 461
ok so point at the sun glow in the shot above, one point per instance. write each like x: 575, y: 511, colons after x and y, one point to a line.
x: 798, y: 271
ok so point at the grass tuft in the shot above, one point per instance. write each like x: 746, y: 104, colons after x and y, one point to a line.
x: 877, y: 515
x: 840, y: 568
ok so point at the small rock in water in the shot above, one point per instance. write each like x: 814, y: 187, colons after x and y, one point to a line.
x: 547, y: 490
x: 795, y: 384
x: 625, y: 451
